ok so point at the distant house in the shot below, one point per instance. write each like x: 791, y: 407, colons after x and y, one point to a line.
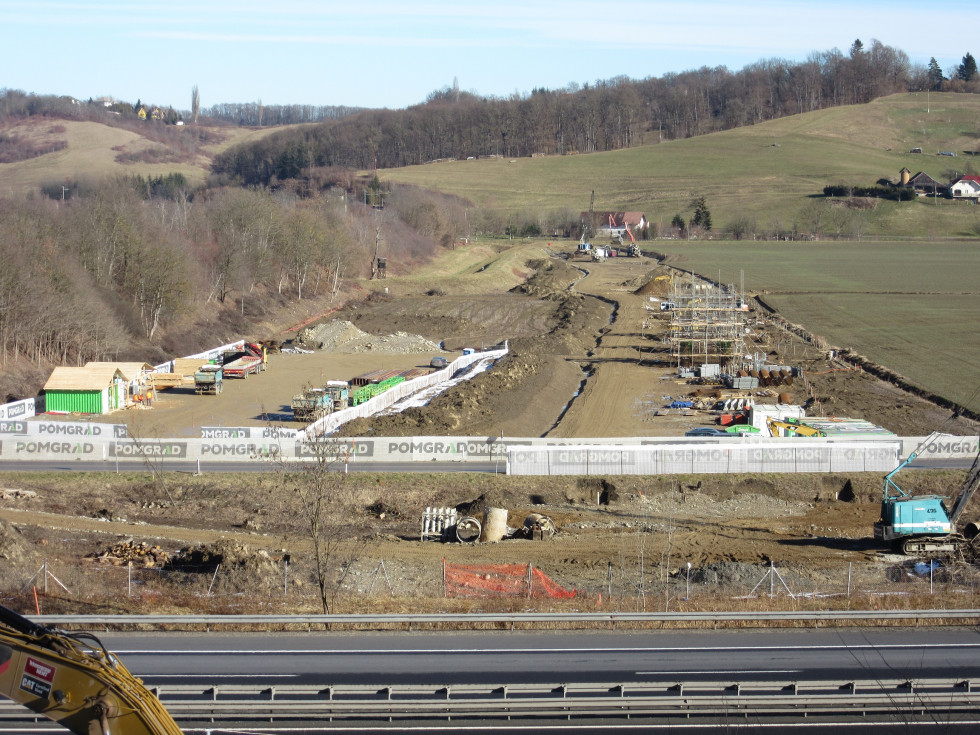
x: 965, y: 187
x: 613, y: 224
x: 92, y: 390
x: 925, y: 185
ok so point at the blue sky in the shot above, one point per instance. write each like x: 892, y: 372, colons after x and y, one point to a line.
x: 393, y: 54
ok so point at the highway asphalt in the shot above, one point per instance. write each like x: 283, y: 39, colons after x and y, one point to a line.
x: 442, y: 658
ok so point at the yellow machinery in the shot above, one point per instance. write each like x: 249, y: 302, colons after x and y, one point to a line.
x: 71, y: 678
x: 790, y: 427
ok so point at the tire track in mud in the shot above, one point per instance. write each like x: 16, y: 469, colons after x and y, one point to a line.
x: 588, y: 368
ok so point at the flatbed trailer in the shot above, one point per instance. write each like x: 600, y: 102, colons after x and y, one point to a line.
x: 243, y: 367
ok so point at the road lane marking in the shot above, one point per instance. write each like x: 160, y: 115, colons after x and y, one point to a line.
x: 537, y: 651
x: 718, y: 671
x: 219, y: 676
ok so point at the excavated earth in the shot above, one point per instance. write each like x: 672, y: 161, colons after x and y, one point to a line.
x: 586, y: 360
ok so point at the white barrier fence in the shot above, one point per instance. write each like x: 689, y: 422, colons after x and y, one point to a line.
x: 794, y: 455
x: 330, y: 422
x: 50, y: 440
x: 24, y: 409
x: 212, y: 354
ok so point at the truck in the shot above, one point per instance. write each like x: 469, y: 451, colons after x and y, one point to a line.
x: 208, y: 380
x: 72, y: 679
x: 250, y: 360
x: 311, y: 404
x: 924, y: 524
x: 315, y: 403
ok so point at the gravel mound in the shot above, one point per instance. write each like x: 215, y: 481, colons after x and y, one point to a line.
x: 343, y: 336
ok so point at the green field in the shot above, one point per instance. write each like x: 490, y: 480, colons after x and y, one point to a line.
x: 911, y: 306
x: 768, y: 172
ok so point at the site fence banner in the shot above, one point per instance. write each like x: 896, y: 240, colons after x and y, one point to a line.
x: 796, y: 456
x: 24, y: 409
x: 943, y: 446
x: 86, y: 429
x: 248, y: 432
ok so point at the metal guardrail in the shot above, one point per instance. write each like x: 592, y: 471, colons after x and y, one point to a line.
x: 786, y: 700
x: 462, y: 620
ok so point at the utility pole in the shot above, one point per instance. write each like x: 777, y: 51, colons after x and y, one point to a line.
x: 376, y: 261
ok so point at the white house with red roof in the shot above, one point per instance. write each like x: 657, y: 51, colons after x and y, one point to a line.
x: 965, y: 187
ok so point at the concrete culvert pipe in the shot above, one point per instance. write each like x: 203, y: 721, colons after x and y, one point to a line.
x: 468, y: 530
x: 494, y: 524
x: 537, y: 523
x: 971, y: 530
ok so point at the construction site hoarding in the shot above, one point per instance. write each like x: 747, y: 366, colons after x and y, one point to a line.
x: 736, y: 455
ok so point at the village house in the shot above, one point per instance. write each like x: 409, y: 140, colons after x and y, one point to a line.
x: 966, y: 187
x: 613, y: 224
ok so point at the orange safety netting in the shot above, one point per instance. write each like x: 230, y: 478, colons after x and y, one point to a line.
x: 499, y: 580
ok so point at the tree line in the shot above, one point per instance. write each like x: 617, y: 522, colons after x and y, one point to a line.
x: 608, y: 115
x: 145, y: 268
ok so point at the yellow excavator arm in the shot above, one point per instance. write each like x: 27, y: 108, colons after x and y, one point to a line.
x: 70, y: 678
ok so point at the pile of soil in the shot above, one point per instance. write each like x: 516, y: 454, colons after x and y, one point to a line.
x: 551, y: 279
x: 343, y: 336
x: 655, y: 283
x: 228, y: 567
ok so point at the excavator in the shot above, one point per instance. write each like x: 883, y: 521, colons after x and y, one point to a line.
x: 923, y: 524
x: 72, y: 679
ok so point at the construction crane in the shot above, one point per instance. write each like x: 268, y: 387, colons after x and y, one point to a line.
x: 72, y: 679
x: 923, y: 524
x: 588, y: 227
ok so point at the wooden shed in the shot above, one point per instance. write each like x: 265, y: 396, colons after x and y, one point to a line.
x: 138, y: 375
x: 92, y: 390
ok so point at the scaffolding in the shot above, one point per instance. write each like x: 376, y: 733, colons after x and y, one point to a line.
x: 707, y: 325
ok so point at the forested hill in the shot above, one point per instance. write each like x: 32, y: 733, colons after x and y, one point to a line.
x: 609, y: 115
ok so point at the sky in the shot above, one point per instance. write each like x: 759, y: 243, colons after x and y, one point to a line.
x: 394, y: 54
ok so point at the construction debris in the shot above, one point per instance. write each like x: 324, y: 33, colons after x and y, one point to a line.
x: 13, y: 493
x: 131, y: 552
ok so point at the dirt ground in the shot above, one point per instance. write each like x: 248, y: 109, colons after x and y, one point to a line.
x: 586, y: 360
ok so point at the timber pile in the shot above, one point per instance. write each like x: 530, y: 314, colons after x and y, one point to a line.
x: 139, y: 553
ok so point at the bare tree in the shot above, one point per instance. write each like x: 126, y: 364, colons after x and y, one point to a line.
x: 325, y: 501
x: 195, y: 104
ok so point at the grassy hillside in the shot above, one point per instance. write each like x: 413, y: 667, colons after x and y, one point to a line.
x: 94, y: 151
x: 768, y: 172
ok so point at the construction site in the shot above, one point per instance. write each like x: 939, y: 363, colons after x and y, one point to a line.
x: 592, y: 354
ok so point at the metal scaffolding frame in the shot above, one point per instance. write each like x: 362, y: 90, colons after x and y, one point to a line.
x: 707, y: 324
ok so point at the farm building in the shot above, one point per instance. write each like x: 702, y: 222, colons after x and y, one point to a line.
x: 93, y: 390
x: 923, y: 183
